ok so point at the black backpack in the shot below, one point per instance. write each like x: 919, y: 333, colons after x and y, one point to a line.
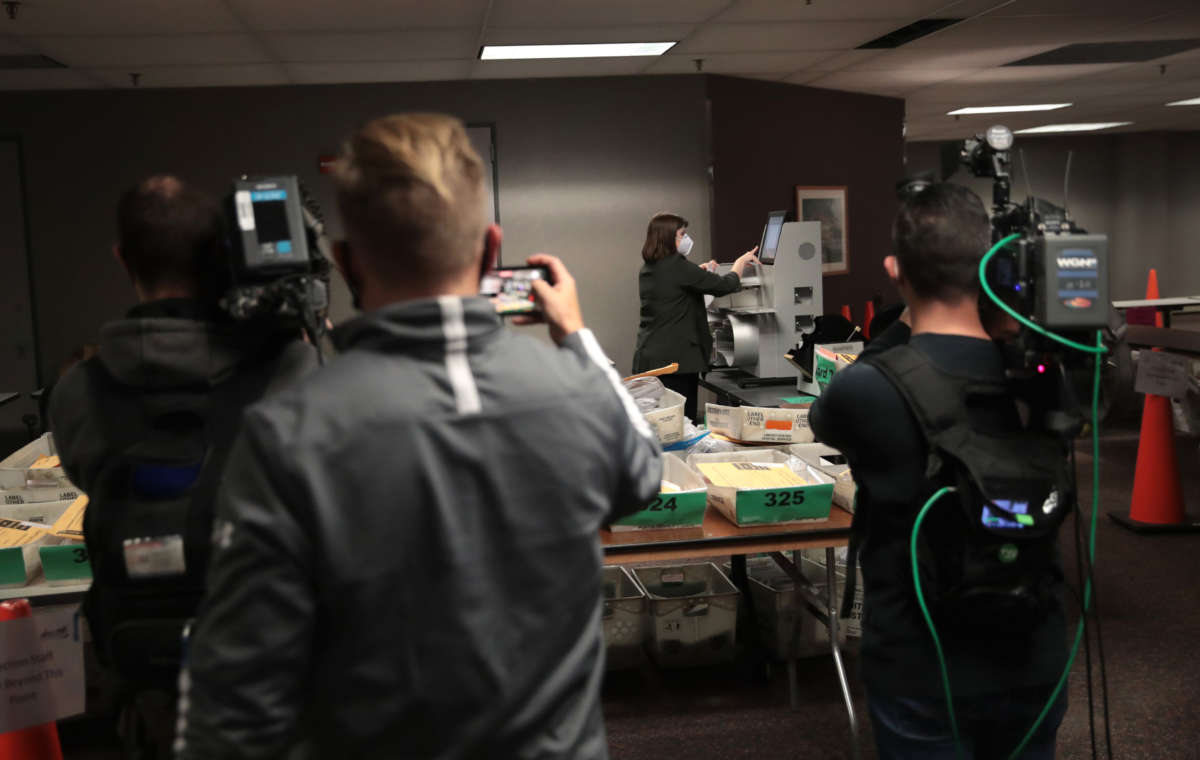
x: 987, y: 553
x: 149, y: 524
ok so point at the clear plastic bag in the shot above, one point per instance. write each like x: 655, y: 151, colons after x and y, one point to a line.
x: 646, y: 392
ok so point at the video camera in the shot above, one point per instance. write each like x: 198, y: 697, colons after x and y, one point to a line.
x: 1052, y: 273
x: 279, y: 254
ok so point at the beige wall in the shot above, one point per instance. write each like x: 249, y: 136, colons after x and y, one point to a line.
x: 582, y: 165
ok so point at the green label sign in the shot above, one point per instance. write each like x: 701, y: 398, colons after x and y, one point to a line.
x: 670, y: 510
x: 68, y: 562
x: 824, y: 371
x: 770, y: 505
x: 12, y: 566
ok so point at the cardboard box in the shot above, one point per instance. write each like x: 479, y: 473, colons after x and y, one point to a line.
x: 818, y: 455
x: 765, y: 506
x: 51, y: 543
x: 674, y: 509
x: 667, y: 419
x: 752, y: 424
x: 38, y: 494
x: 17, y: 470
x: 831, y: 358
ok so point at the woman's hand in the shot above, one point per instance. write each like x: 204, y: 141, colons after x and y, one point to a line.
x: 710, y: 266
x: 745, y: 260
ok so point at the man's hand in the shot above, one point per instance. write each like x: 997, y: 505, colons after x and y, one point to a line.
x: 560, y: 301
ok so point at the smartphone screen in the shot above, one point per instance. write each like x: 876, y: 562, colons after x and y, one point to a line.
x: 511, y: 288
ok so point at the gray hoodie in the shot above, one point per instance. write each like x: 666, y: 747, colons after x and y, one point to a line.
x: 407, y: 562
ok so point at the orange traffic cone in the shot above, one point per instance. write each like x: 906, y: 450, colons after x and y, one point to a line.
x: 1152, y: 295
x: 35, y: 742
x: 868, y: 315
x: 1157, y: 504
x: 846, y: 313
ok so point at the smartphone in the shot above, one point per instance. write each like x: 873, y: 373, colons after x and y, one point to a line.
x: 511, y: 289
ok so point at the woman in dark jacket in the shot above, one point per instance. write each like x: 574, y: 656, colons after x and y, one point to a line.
x: 674, y: 326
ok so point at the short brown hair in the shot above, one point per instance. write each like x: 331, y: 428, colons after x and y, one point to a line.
x: 169, y: 234
x: 940, y: 235
x: 410, y: 189
x: 660, y: 236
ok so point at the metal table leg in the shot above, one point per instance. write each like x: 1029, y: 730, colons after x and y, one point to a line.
x: 831, y: 604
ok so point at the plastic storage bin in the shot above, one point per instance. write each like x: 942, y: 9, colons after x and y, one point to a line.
x: 693, y: 614
x: 624, y: 619
x: 788, y: 629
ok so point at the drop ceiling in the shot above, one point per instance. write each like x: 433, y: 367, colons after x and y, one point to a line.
x: 218, y: 43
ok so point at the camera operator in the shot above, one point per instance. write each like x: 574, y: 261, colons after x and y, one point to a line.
x: 144, y: 427
x: 406, y: 559
x: 1000, y: 683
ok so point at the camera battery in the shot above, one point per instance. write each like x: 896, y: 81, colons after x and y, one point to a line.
x: 1073, y: 293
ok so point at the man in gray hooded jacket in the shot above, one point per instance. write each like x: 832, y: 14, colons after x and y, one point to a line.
x: 407, y: 562
x: 145, y: 427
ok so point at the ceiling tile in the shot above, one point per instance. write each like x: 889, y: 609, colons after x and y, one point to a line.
x: 980, y: 58
x: 100, y: 51
x: 401, y: 71
x: 989, y: 31
x: 348, y: 15
x: 316, y: 47
x: 826, y: 35
x: 198, y: 76
x: 46, y: 79
x: 121, y: 17
x: 585, y: 34
x: 890, y: 82
x: 774, y: 10
x: 846, y: 59
x: 14, y: 46
x: 566, y: 13
x: 1119, y: 8
x: 736, y: 63
x: 559, y: 67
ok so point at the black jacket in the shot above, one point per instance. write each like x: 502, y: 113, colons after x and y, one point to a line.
x: 674, y: 326
x: 407, y: 562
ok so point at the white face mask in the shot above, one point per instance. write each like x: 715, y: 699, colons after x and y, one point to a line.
x: 685, y: 245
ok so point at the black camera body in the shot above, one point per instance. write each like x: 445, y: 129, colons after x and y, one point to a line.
x: 279, y: 256
x: 1053, y: 273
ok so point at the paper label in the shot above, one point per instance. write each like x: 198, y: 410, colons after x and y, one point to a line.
x: 669, y: 510
x: 245, y: 210
x: 41, y: 669
x: 65, y: 563
x: 784, y: 505
x: 1162, y: 374
x: 154, y: 557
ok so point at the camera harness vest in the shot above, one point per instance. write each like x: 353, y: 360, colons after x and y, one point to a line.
x: 986, y: 553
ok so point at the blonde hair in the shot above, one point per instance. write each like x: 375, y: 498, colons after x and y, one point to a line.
x: 410, y: 190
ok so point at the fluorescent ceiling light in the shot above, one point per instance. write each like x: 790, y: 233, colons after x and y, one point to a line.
x: 602, y: 50
x: 1072, y: 127
x: 1189, y: 102
x: 1007, y: 109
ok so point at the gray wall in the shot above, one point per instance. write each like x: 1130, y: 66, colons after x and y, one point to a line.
x: 1142, y: 189
x: 583, y: 164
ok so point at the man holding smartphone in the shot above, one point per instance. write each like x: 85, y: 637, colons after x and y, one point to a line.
x: 406, y: 560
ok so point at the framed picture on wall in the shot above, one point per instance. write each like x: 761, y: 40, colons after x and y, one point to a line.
x: 827, y: 205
